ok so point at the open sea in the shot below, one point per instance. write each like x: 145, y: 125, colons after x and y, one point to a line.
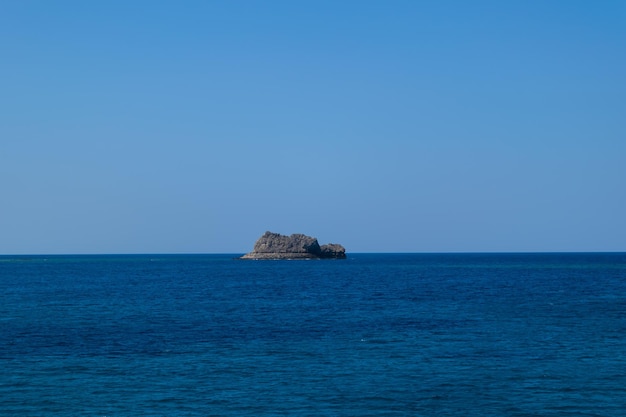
x: 372, y: 335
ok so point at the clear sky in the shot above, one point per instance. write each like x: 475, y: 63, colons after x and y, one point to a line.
x: 408, y: 126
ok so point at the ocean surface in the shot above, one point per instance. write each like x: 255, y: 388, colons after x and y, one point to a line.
x: 372, y: 335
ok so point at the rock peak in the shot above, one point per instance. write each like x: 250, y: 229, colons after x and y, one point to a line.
x: 297, y: 246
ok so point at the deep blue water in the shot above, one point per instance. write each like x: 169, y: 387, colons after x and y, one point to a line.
x: 373, y: 335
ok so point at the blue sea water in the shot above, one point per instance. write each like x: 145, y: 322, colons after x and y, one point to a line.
x: 372, y: 335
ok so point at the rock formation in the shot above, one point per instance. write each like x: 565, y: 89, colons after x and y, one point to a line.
x: 297, y: 246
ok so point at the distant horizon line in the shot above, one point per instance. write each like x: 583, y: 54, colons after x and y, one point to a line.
x: 347, y: 253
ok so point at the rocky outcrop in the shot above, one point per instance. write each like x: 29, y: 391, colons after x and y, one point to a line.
x: 297, y: 246
x: 333, y: 250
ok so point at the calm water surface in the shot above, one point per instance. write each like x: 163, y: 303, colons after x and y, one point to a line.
x: 373, y: 335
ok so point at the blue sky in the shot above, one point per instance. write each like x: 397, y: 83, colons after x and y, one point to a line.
x: 413, y: 126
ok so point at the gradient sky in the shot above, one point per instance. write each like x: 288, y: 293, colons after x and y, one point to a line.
x: 387, y: 126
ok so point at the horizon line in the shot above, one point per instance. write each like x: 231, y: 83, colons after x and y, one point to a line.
x: 347, y: 253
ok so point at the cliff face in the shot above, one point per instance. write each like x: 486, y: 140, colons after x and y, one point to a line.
x: 297, y: 246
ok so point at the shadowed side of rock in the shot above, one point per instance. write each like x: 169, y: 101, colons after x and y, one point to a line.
x: 297, y: 246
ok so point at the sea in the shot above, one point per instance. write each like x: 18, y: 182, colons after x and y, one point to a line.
x: 372, y: 335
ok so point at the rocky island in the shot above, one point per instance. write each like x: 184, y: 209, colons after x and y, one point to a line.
x: 297, y: 246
